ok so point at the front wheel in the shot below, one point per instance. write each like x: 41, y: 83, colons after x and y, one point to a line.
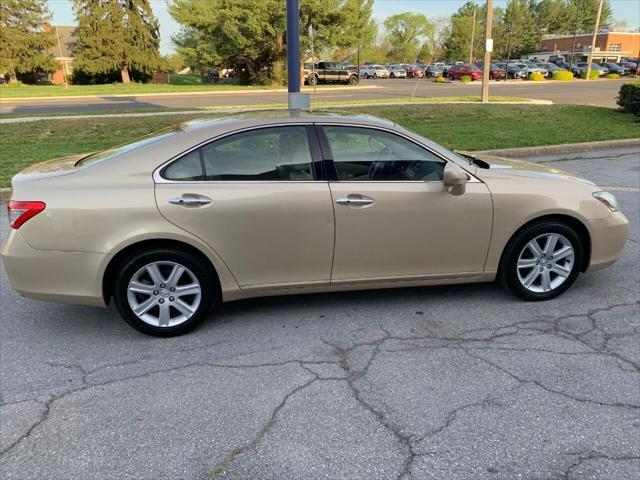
x: 353, y: 80
x: 164, y: 292
x: 313, y: 80
x: 542, y: 260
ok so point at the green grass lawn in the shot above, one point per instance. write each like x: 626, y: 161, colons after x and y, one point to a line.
x: 464, y: 127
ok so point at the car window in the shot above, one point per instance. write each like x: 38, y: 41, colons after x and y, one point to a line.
x: 365, y: 154
x: 269, y: 154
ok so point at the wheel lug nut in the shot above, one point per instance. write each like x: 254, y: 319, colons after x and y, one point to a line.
x: 172, y: 289
x: 155, y: 292
x: 161, y: 300
x: 171, y: 299
x: 162, y: 285
x: 541, y: 268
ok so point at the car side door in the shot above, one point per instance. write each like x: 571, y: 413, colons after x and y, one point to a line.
x: 258, y: 199
x: 394, y: 218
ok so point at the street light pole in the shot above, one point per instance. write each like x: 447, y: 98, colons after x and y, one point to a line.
x: 593, y: 40
x: 296, y: 100
x: 488, y: 49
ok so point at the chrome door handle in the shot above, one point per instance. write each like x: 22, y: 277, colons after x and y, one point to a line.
x: 358, y: 202
x: 189, y: 201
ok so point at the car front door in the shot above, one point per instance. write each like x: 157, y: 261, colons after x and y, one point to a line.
x: 255, y: 198
x: 394, y: 218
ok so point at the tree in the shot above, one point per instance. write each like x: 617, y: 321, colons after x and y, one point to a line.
x: 519, y: 33
x: 405, y: 32
x: 458, y: 44
x: 248, y: 35
x: 24, y: 41
x: 433, y: 47
x: 553, y: 16
x: 585, y: 11
x: 116, y: 35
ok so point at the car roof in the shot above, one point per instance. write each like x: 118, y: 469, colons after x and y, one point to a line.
x: 275, y: 117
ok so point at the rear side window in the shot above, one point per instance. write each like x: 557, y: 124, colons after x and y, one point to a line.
x: 268, y: 154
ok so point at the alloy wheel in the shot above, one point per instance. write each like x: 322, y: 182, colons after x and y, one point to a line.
x: 164, y: 294
x: 545, y: 262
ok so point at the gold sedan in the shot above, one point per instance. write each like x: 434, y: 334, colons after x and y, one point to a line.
x: 275, y: 203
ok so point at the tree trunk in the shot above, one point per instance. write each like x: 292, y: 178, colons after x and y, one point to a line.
x: 124, y: 72
x: 13, y: 78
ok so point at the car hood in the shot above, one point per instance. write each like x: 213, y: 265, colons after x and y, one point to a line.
x: 519, y: 168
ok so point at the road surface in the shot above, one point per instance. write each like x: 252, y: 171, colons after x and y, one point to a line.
x: 595, y: 92
x: 455, y: 382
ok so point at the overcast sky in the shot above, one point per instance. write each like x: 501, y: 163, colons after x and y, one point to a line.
x: 628, y: 10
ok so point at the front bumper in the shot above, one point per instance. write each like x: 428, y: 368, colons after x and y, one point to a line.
x: 68, y: 277
x: 608, y: 238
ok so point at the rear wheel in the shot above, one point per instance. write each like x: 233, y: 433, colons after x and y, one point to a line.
x: 353, y: 80
x: 164, y: 292
x: 542, y: 260
x: 313, y: 80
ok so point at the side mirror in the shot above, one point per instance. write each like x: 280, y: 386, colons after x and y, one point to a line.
x: 455, y: 179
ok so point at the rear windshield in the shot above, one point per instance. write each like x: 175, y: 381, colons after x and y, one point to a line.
x: 127, y: 147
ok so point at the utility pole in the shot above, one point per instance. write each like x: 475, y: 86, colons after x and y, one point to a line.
x: 488, y: 49
x: 296, y: 100
x: 506, y: 68
x: 473, y: 34
x: 593, y: 40
x: 573, y: 44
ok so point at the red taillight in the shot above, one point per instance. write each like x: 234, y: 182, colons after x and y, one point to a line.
x: 20, y: 212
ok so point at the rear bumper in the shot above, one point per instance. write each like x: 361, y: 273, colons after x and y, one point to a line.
x: 68, y: 277
x: 608, y: 238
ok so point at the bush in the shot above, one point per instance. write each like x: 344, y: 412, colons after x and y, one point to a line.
x: 83, y: 78
x: 465, y: 79
x: 563, y: 75
x: 536, y: 77
x: 593, y: 75
x: 613, y: 75
x: 440, y: 80
x: 629, y: 98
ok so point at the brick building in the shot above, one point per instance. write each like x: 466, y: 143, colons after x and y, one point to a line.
x: 610, y: 46
x: 62, y: 51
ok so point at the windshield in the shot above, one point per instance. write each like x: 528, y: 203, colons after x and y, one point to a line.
x: 127, y: 147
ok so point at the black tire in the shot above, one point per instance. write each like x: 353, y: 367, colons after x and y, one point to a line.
x: 508, y: 272
x: 353, y: 80
x: 206, y: 278
x: 313, y: 80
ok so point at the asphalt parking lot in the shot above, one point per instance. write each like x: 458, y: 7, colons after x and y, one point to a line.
x: 457, y: 382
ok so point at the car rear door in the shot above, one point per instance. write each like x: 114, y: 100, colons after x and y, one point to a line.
x: 258, y: 199
x: 394, y: 218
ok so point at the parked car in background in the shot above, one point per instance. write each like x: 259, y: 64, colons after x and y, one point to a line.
x: 514, y: 71
x: 533, y: 67
x: 633, y: 67
x: 496, y: 72
x: 435, y: 70
x: 563, y: 65
x: 396, y: 71
x: 581, y: 67
x: 553, y: 68
x: 374, y: 71
x: 615, y: 68
x: 464, y: 69
x: 414, y: 72
x: 330, y: 72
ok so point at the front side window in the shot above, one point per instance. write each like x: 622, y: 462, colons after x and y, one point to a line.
x: 365, y: 154
x: 275, y: 153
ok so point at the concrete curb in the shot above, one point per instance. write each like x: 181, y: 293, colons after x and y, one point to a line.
x: 563, y: 148
x: 5, y: 195
x: 180, y: 93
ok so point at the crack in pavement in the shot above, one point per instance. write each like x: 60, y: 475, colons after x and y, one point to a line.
x: 86, y: 386
x: 593, y: 455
